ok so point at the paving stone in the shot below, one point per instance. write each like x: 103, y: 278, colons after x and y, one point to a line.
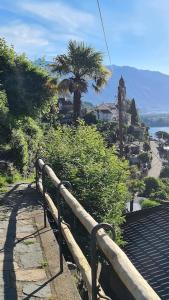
x: 25, y: 228
x: 5, y: 278
x: 21, y: 264
x: 23, y: 248
x: 5, y: 215
x: 7, y: 255
x: 31, y: 260
x: 8, y: 265
x: 2, y: 243
x: 9, y: 294
x: 30, y: 275
x: 22, y: 235
x: 21, y: 222
x: 4, y: 224
x: 39, y: 289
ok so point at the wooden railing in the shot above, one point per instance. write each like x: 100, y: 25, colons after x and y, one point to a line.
x: 128, y: 274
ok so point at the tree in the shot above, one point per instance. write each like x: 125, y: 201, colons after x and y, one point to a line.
x: 4, y: 118
x: 28, y: 88
x: 165, y: 172
x: 146, y: 146
x: 79, y: 65
x: 151, y: 185
x: 134, y: 113
x: 144, y: 157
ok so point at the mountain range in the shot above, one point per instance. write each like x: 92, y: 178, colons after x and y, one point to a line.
x: 150, y: 89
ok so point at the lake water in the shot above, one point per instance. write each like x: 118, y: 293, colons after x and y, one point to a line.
x: 153, y: 130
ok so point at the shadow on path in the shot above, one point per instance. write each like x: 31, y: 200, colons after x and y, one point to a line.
x: 41, y: 286
x: 12, y: 202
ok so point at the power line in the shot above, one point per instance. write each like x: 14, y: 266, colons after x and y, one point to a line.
x: 104, y: 32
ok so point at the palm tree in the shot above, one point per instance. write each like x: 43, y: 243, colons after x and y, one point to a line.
x: 80, y: 65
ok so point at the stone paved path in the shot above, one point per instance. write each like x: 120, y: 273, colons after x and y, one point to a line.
x: 22, y: 262
x: 156, y: 164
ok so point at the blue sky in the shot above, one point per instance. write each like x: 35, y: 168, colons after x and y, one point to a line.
x: 137, y: 30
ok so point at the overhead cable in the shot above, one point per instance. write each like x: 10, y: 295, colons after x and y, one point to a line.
x: 104, y: 32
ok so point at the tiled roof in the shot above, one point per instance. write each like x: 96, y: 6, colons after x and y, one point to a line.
x: 105, y: 106
x: 147, y: 235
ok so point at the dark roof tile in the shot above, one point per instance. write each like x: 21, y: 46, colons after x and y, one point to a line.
x: 147, y: 235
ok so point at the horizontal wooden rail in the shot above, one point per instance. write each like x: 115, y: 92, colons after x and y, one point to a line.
x: 75, y: 250
x: 131, y: 278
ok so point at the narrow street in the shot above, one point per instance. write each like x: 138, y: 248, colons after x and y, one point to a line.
x: 156, y: 164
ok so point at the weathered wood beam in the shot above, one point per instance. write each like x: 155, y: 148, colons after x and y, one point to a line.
x: 131, y: 278
x: 75, y: 250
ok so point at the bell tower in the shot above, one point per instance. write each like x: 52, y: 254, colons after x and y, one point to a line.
x: 121, y: 92
x: 121, y: 108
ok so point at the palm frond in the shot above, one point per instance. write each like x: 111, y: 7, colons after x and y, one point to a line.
x: 64, y: 85
x: 81, y: 63
x: 101, y: 78
x: 82, y: 86
x: 61, y: 64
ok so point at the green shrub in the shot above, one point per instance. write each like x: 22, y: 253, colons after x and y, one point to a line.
x: 98, y: 177
x: 160, y: 195
x: 144, y: 157
x: 146, y: 146
x: 165, y: 172
x: 147, y: 203
x: 151, y: 185
x: 26, y: 140
x: 3, y: 182
x: 20, y: 150
x: 13, y: 177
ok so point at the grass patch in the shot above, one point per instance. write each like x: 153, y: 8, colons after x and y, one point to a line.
x: 15, y: 176
x: 147, y: 203
x: 3, y: 184
x: 4, y: 189
x: 28, y: 242
x: 43, y: 264
x: 29, y: 179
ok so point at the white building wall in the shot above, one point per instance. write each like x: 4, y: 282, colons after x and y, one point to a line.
x: 106, y: 116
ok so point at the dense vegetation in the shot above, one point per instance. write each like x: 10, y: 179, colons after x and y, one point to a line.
x: 26, y: 95
x: 79, y: 154
x: 156, y: 189
x: 98, y: 177
x: 28, y: 88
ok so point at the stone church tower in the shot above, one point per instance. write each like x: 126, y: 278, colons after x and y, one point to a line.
x: 122, y: 94
x: 121, y: 104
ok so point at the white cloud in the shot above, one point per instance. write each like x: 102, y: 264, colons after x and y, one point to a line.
x: 23, y: 34
x: 25, y: 38
x: 45, y: 27
x: 67, y: 17
x: 35, y: 40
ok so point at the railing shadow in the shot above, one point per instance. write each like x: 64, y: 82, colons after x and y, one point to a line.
x: 12, y: 201
x: 41, y: 286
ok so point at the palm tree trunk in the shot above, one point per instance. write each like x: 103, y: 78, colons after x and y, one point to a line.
x: 76, y: 105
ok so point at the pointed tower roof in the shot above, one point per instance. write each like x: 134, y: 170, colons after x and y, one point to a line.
x: 121, y: 82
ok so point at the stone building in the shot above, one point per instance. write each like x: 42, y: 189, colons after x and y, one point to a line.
x: 109, y: 112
